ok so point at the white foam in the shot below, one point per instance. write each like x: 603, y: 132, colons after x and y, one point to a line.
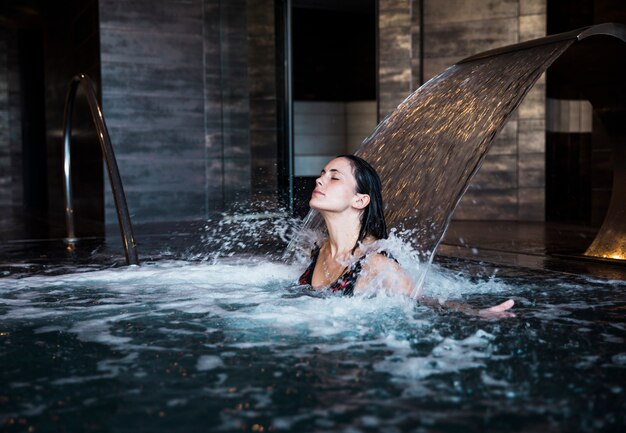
x: 33, y: 410
x: 444, y: 284
x: 75, y: 380
x: 248, y: 300
x: 619, y: 359
x: 98, y: 331
x: 46, y: 329
x: 449, y: 356
x: 165, y: 272
x: 209, y: 362
x: 177, y: 402
x: 490, y: 381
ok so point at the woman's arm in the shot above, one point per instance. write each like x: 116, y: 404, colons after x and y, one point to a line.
x: 497, y: 311
x: 390, y: 275
x: 380, y: 270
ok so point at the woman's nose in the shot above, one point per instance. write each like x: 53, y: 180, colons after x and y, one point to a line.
x: 318, y: 181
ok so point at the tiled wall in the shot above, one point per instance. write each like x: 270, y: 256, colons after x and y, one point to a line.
x: 360, y: 122
x: 569, y: 116
x: 510, y: 184
x: 11, y: 185
x: 189, y: 88
x: 319, y: 134
x: 5, y: 149
x: 323, y: 130
x: 153, y: 99
x: 265, y: 100
x: 396, y: 39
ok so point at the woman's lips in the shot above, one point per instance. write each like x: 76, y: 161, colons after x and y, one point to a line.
x: 318, y: 192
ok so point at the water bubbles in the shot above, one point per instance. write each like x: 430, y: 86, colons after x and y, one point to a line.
x: 619, y: 359
x: 236, y: 332
x: 209, y: 362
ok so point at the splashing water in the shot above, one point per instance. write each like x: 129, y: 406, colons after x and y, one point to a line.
x: 226, y: 342
x: 266, y: 236
x: 245, y: 232
x: 232, y: 345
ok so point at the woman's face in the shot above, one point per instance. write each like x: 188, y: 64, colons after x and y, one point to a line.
x: 335, y: 188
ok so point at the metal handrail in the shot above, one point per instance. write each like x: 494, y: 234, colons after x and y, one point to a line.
x: 126, y: 228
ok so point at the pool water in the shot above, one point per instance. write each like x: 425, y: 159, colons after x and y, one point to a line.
x: 232, y: 345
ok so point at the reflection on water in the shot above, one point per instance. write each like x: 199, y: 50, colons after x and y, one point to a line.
x: 195, y: 346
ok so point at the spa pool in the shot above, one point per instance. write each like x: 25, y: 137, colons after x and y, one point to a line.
x: 231, y: 345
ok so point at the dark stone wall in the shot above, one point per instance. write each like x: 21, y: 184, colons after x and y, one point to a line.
x: 10, y: 135
x: 396, y: 62
x: 212, y: 76
x: 264, y: 100
x: 190, y: 91
x: 152, y: 66
x: 226, y: 92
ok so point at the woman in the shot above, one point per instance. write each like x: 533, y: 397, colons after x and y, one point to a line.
x: 348, y: 196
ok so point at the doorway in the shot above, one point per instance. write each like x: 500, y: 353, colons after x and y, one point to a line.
x: 333, y: 45
x: 584, y: 114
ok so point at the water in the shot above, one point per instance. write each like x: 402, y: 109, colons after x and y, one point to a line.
x: 428, y: 149
x: 224, y: 342
x: 232, y: 345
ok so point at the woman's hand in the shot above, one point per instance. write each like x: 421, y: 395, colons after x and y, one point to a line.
x: 393, y: 277
x: 499, y: 311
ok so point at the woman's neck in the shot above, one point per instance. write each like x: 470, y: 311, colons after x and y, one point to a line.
x: 343, y: 233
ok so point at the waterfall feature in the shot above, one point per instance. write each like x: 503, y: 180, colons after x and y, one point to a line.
x: 430, y: 147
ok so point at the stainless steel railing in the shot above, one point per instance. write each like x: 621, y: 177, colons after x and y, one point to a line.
x: 126, y: 228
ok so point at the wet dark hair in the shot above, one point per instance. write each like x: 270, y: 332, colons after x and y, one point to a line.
x: 368, y: 182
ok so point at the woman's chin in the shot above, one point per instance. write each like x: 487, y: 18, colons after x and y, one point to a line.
x: 313, y: 204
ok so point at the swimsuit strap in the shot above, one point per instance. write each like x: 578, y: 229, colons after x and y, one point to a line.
x: 347, y: 281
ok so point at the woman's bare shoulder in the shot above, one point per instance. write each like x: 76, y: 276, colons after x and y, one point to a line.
x: 384, y: 272
x: 380, y: 261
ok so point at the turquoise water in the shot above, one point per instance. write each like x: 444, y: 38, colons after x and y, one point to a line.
x: 232, y: 345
